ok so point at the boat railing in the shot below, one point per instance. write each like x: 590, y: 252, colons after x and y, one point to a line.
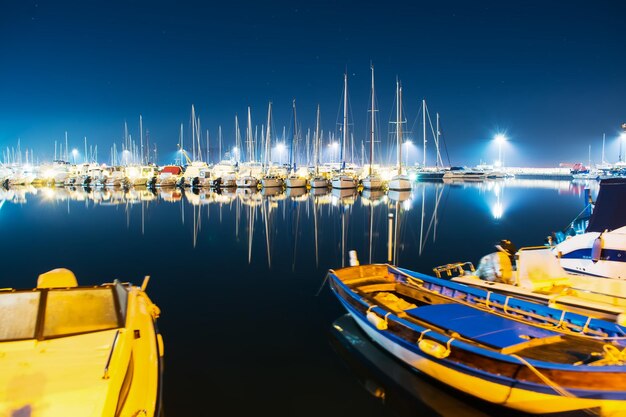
x: 461, y: 268
x: 106, y: 366
x: 517, y: 309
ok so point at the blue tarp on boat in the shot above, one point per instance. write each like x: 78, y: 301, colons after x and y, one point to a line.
x: 608, y: 213
x: 481, y: 326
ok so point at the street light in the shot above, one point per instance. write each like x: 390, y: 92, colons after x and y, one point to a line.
x: 500, y: 139
x: 335, y: 146
x: 408, y: 143
x: 280, y: 147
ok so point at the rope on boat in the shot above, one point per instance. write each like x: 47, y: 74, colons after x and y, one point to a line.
x: 560, y: 323
x: 387, y: 315
x: 422, y: 334
x: 556, y: 387
x: 506, y: 304
x: 612, y: 356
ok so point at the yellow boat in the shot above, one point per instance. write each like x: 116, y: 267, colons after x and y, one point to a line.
x: 81, y: 351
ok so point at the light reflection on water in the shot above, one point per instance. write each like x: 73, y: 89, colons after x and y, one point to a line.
x: 237, y: 274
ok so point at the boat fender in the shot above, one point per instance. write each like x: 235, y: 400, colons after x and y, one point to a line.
x: 434, y: 348
x: 596, y: 248
x: 378, y: 322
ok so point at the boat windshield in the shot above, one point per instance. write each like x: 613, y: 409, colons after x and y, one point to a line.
x: 67, y: 312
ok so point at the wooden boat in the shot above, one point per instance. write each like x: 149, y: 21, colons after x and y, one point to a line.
x: 538, y: 276
x: 67, y: 350
x: 501, y: 349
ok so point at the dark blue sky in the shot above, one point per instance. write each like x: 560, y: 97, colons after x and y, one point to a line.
x: 549, y: 73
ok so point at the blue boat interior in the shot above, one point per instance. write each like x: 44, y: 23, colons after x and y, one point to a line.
x: 489, y: 329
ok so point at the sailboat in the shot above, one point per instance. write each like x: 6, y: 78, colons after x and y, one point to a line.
x: 294, y: 180
x: 342, y: 180
x: 399, y: 182
x: 318, y: 180
x: 438, y: 171
x: 270, y: 179
x: 372, y: 181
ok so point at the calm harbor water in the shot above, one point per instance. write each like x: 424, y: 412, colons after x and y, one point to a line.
x: 246, y: 319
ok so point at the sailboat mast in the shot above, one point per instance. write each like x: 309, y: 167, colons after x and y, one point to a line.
x: 219, y: 138
x: 424, y: 123
x: 317, y: 145
x: 372, y: 126
x: 268, y: 147
x: 294, y: 138
x: 237, y: 148
x: 603, y: 138
x: 345, y: 117
x: 249, y: 137
x: 438, y: 160
x: 141, y: 138
x: 399, y: 124
x: 193, y: 132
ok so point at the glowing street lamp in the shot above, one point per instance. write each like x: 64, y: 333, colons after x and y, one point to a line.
x: 408, y: 144
x: 335, y: 146
x: 500, y: 139
x: 280, y: 147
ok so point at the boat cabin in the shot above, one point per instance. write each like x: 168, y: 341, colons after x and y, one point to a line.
x: 47, y: 313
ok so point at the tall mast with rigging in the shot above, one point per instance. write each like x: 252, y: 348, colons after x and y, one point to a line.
x: 317, y: 145
x: 345, y: 119
x: 372, y: 125
x: 268, y: 147
x: 399, y: 124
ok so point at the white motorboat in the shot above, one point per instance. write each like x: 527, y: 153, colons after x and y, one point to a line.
x: 465, y: 174
x: 247, y: 181
x: 169, y: 176
x: 601, y: 250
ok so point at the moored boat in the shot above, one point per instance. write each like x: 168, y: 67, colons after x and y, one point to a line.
x: 501, y: 349
x: 601, y: 250
x: 79, y: 351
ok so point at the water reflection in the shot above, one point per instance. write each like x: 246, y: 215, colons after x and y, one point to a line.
x: 382, y: 226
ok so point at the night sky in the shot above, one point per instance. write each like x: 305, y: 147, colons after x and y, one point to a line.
x: 549, y: 74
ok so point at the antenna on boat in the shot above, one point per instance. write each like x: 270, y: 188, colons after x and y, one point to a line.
x: 145, y: 282
x: 354, y: 260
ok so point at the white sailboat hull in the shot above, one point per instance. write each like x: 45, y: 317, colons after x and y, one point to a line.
x: 400, y: 183
x: 372, y: 183
x: 344, y: 182
x: 295, y: 182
